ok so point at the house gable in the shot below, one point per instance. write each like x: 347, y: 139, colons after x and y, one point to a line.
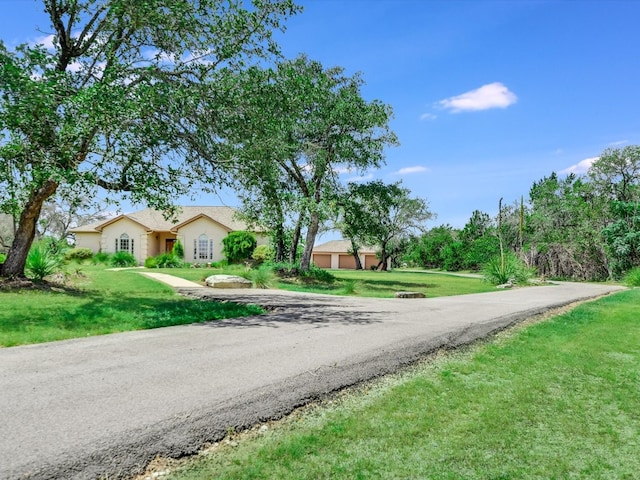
x: 114, y: 233
x: 202, y: 239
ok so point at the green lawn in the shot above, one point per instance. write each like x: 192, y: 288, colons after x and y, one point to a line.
x: 367, y: 283
x: 106, y: 302
x: 555, y: 400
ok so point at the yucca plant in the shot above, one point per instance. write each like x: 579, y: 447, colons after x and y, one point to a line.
x: 508, y: 268
x: 349, y: 287
x: 41, y: 262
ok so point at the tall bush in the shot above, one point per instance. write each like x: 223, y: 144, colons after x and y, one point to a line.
x: 238, y: 246
x: 178, y: 250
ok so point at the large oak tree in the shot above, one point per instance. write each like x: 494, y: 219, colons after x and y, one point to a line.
x: 116, y: 101
x: 299, y: 124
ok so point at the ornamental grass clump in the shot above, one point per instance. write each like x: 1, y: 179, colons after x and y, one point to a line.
x: 632, y: 278
x: 263, y: 277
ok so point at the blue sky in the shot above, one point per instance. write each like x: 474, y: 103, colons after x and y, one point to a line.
x: 488, y: 96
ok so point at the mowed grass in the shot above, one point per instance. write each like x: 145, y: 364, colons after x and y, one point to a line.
x: 555, y: 400
x: 366, y: 283
x: 105, y: 302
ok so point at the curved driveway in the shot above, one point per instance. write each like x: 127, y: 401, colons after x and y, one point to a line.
x: 105, y: 406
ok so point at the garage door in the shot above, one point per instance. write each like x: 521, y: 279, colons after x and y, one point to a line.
x: 370, y: 261
x: 347, y: 261
x: 322, y: 260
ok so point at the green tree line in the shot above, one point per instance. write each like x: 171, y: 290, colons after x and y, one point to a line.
x: 580, y: 227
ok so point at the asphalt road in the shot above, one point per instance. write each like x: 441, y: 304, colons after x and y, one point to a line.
x: 106, y: 406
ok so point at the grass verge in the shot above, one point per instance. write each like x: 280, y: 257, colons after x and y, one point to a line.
x: 366, y: 283
x: 557, y: 399
x: 103, y: 302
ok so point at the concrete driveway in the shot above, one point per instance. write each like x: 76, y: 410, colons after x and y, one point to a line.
x: 105, y: 406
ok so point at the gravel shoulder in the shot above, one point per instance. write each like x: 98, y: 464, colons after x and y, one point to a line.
x: 106, y: 406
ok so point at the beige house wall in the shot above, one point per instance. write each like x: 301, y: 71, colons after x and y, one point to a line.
x: 191, y: 232
x: 88, y: 240
x: 134, y: 230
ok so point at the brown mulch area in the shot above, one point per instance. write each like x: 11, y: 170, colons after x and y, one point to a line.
x: 22, y: 283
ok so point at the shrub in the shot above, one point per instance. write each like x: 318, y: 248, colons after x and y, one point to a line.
x: 168, y: 260
x: 317, y: 274
x: 42, y: 260
x: 512, y: 270
x: 238, y: 246
x: 632, y: 278
x: 178, y: 250
x: 220, y: 264
x: 263, y: 253
x: 78, y: 254
x: 3, y: 257
x: 285, y: 269
x: 262, y: 277
x: 101, y: 258
x: 150, y: 262
x: 123, y: 259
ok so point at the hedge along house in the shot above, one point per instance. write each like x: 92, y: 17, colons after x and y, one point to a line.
x: 147, y: 233
x: 335, y: 254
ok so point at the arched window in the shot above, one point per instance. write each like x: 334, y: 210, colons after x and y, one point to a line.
x: 124, y: 243
x: 203, y: 248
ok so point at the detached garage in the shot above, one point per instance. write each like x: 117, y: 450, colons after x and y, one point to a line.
x: 335, y: 254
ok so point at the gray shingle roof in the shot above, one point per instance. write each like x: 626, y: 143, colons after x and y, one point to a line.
x: 154, y: 219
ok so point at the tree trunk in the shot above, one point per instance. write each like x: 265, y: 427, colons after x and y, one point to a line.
x: 16, y: 259
x: 382, y: 266
x: 293, y: 253
x: 312, y: 231
x: 279, y: 241
x: 354, y: 252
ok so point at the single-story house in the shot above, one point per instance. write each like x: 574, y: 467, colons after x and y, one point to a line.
x: 335, y: 254
x: 147, y: 233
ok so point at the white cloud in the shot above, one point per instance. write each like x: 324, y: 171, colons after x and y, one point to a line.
x: 341, y: 170
x: 410, y: 170
x: 428, y: 116
x: 618, y: 143
x: 46, y: 42
x: 580, y: 167
x: 492, y: 95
